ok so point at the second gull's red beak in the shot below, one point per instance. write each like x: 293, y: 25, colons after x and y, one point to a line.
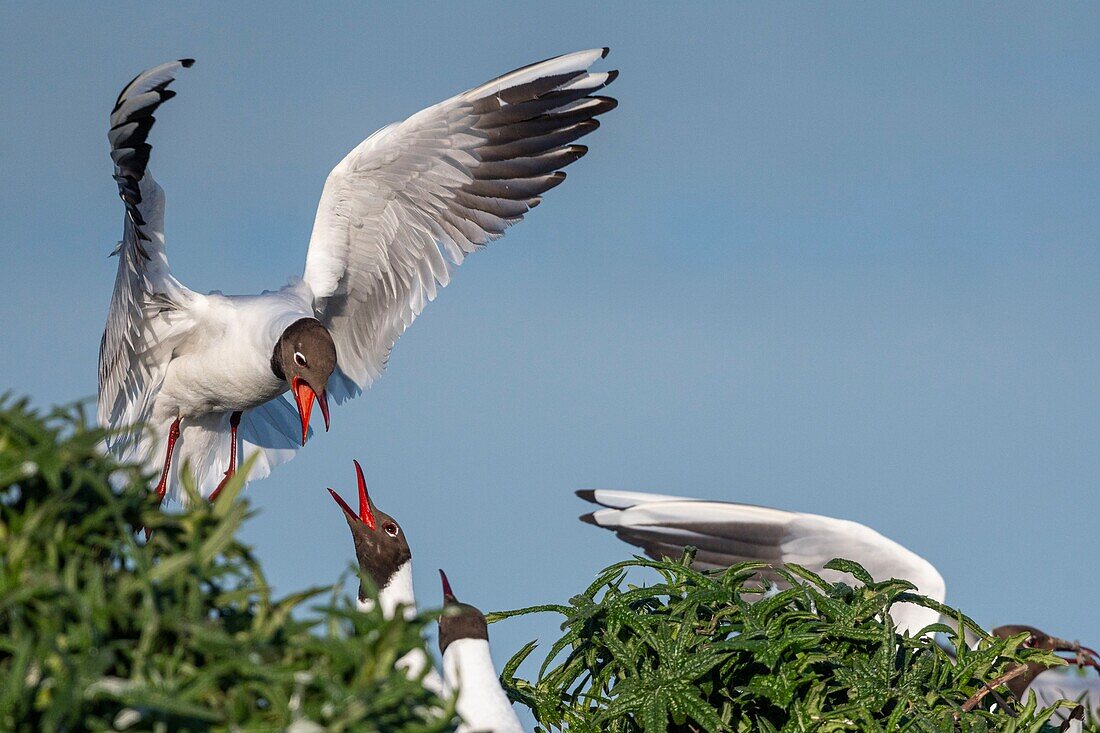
x: 365, y: 515
x: 304, y: 397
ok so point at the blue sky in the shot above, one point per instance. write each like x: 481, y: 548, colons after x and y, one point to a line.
x: 840, y: 259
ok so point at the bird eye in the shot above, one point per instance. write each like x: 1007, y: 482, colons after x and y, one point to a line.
x: 299, y: 359
x: 391, y: 529
x: 1029, y: 642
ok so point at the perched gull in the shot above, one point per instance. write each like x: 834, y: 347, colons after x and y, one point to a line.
x: 1051, y: 685
x: 726, y: 533
x: 203, y: 374
x: 468, y: 668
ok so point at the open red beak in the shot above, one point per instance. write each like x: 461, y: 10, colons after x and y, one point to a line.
x: 1083, y: 656
x: 304, y: 397
x: 365, y: 515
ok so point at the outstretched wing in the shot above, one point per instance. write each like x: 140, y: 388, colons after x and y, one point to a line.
x: 146, y: 315
x: 434, y: 188
x: 726, y: 533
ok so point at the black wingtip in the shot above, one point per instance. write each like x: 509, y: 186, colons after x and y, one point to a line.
x: 589, y: 518
x: 606, y: 104
x: 611, y: 76
x: 606, y: 50
x: 587, y: 494
x: 187, y: 63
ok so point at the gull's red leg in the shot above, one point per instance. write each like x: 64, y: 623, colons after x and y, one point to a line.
x: 173, y: 436
x: 234, y: 421
x: 162, y: 485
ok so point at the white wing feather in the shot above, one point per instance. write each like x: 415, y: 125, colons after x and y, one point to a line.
x: 147, y: 314
x: 726, y: 533
x: 416, y: 197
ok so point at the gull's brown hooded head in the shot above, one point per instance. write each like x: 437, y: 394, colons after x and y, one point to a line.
x: 305, y: 356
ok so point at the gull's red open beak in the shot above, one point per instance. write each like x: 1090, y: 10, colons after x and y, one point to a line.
x: 304, y: 397
x: 365, y: 515
x: 1083, y: 656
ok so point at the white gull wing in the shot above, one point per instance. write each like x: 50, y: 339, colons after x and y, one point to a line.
x: 148, y: 312
x: 440, y: 184
x: 726, y: 533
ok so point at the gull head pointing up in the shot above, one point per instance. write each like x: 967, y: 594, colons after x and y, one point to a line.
x: 459, y: 620
x: 382, y: 551
x: 468, y: 668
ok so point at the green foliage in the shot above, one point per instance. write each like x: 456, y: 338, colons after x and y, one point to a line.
x: 100, y: 631
x: 705, y: 652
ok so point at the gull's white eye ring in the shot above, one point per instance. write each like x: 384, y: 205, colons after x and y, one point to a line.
x: 299, y: 359
x: 391, y: 529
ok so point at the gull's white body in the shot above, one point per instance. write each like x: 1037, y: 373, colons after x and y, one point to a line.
x: 224, y: 362
x: 468, y: 668
x: 1066, y: 684
x: 395, y: 217
x: 398, y: 595
x: 726, y: 533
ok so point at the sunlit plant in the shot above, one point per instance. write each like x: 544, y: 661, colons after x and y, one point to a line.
x: 102, y: 631
x: 714, y: 651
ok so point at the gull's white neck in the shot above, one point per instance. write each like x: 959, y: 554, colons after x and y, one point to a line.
x: 482, y: 704
x: 398, y: 591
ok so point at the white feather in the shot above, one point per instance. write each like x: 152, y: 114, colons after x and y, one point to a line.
x: 726, y: 533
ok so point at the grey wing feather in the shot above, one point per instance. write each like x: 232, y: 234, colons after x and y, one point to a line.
x: 726, y: 533
x: 145, y: 316
x: 416, y: 197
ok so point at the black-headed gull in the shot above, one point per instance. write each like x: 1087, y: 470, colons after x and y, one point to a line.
x: 468, y: 668
x: 727, y: 532
x: 384, y: 556
x: 395, y: 216
x: 1060, y: 683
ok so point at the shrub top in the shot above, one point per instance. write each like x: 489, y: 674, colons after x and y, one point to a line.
x: 101, y: 631
x: 718, y: 651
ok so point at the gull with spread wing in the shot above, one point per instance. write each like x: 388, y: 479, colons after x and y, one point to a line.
x: 187, y: 378
x: 725, y: 533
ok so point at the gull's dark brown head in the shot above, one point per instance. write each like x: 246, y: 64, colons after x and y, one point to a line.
x: 459, y: 620
x: 1038, y: 639
x: 305, y: 357
x: 380, y: 545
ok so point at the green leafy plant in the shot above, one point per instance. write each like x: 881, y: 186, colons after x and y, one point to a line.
x: 713, y: 652
x: 101, y: 631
